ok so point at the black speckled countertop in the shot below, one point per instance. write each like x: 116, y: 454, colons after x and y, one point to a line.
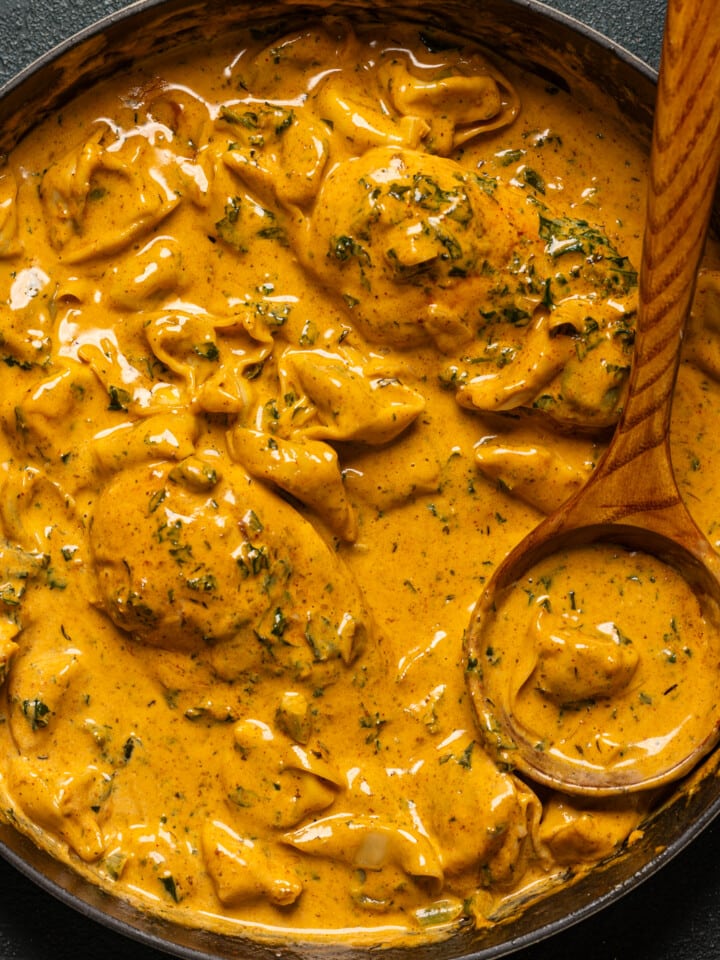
x: 675, y: 915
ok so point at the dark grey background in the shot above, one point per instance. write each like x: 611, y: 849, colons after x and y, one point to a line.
x: 673, y: 916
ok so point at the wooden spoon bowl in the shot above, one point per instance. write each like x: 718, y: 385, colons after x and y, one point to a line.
x: 632, y: 499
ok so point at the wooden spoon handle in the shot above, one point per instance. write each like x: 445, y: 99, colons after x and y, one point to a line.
x: 683, y: 176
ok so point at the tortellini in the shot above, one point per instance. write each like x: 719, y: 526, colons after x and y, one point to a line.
x: 244, y: 869
x: 309, y: 471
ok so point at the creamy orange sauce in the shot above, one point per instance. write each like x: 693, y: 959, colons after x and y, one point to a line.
x: 606, y: 662
x: 300, y: 337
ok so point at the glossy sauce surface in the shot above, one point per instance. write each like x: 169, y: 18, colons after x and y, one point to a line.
x: 606, y: 659
x: 300, y: 337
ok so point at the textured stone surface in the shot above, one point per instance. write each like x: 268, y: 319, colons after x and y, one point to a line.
x: 28, y: 28
x: 636, y: 25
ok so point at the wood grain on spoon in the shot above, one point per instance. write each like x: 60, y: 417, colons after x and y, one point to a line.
x: 632, y: 498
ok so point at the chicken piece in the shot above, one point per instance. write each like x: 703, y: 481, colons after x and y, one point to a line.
x: 198, y: 560
x: 413, y: 243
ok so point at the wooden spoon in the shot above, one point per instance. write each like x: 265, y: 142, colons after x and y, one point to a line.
x: 632, y: 499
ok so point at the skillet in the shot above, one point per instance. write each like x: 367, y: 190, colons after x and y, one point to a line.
x: 674, y: 905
